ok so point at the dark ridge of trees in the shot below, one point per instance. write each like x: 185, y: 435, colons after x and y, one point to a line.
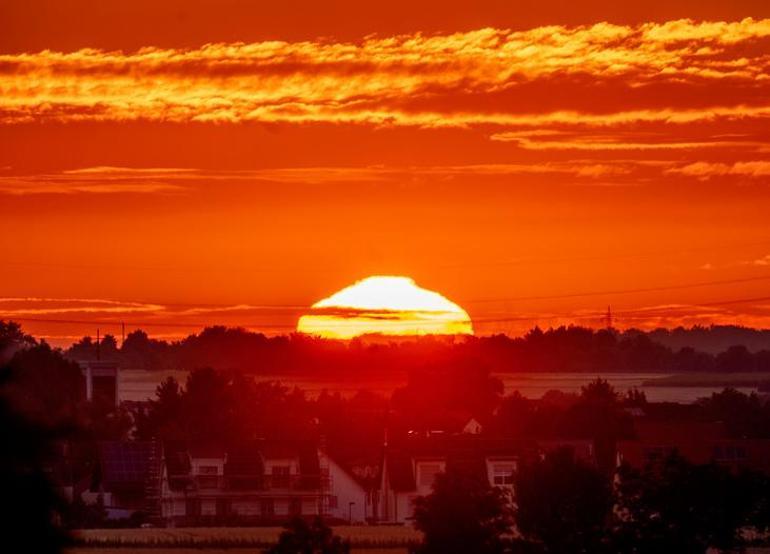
x: 713, y: 339
x: 563, y: 349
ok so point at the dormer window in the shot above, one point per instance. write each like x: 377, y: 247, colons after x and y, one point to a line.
x: 427, y: 472
x: 502, y: 474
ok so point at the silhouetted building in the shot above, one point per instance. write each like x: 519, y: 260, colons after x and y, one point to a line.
x: 102, y: 381
x: 698, y: 442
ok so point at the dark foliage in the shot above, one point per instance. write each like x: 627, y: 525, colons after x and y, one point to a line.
x: 563, y: 505
x: 29, y: 505
x: 677, y: 506
x: 301, y: 537
x: 12, y: 339
x: 463, y: 514
x: 43, y: 385
x: 571, y: 349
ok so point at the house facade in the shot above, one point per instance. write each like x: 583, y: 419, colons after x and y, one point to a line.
x: 257, y: 482
x: 410, y: 467
x: 349, y: 499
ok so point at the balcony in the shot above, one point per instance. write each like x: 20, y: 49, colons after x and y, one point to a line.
x: 259, y: 482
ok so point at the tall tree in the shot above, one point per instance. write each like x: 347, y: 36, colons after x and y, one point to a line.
x: 29, y: 504
x: 464, y: 514
x: 43, y: 385
x: 562, y: 504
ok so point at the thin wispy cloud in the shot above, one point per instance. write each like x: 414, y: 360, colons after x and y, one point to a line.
x: 171, y: 180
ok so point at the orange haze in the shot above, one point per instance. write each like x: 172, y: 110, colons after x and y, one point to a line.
x: 177, y: 165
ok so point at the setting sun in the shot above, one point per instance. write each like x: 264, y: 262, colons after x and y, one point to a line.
x: 385, y: 305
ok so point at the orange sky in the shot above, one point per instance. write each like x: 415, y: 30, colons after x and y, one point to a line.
x: 235, y: 162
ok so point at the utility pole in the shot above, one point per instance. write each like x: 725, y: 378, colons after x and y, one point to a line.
x: 122, y: 333
x: 608, y: 318
x: 98, y: 346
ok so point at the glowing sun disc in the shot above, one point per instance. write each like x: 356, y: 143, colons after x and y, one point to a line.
x: 385, y: 305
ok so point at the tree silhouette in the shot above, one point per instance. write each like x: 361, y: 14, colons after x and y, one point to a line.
x: 562, y: 504
x: 12, y: 339
x: 44, y: 385
x: 301, y: 537
x: 29, y: 504
x: 681, y: 507
x: 463, y: 514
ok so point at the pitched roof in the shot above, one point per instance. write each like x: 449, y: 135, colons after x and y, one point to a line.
x: 466, y: 453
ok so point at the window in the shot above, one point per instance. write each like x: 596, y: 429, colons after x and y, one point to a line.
x: 295, y: 506
x: 207, y: 477
x: 502, y: 474
x: 655, y: 454
x: 267, y: 507
x: 281, y: 477
x: 428, y: 474
x: 224, y: 507
x: 192, y: 507
x: 729, y: 453
x: 333, y: 502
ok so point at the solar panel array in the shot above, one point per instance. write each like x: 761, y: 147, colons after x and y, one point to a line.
x: 125, y: 463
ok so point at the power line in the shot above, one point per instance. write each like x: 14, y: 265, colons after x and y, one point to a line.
x: 302, y: 308
x: 562, y: 315
x: 622, y: 291
x: 332, y: 267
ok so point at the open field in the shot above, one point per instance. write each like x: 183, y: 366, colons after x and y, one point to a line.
x: 369, y: 537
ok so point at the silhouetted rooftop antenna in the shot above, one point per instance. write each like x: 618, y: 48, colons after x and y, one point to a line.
x: 608, y: 318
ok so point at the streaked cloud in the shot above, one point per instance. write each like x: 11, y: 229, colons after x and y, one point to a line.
x: 104, y: 180
x: 21, y: 307
x: 91, y: 182
x: 706, y: 170
x: 387, y: 80
x: 11, y: 307
x: 593, y: 171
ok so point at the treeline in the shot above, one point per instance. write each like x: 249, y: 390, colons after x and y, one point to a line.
x: 567, y: 349
x: 713, y: 338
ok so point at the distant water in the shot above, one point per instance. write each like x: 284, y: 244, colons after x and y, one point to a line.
x: 535, y: 385
x: 140, y: 385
